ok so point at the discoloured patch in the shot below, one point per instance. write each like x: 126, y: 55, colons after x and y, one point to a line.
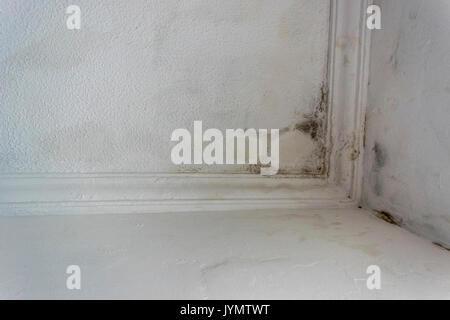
x: 315, y: 127
x: 379, y: 161
x: 393, y: 60
x: 380, y: 156
x: 364, y: 131
x: 369, y: 249
x: 253, y: 168
x: 345, y: 42
x: 206, y: 269
x: 441, y: 246
x: 354, y: 154
x: 309, y: 126
x: 389, y: 218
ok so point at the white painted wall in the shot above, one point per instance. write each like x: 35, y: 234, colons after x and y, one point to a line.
x: 107, y: 97
x: 407, y: 165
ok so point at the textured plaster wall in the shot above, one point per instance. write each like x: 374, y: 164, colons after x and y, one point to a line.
x: 407, y: 164
x: 107, y: 97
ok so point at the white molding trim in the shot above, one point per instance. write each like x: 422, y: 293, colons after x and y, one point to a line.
x: 98, y: 193
x: 348, y: 77
x: 361, y: 102
x: 148, y: 193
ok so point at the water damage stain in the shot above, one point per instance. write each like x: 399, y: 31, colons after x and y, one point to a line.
x: 440, y: 245
x: 314, y: 125
x: 380, y: 156
x: 309, y: 126
x: 389, y: 218
x: 379, y: 161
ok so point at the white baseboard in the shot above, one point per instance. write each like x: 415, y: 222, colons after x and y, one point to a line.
x: 32, y: 194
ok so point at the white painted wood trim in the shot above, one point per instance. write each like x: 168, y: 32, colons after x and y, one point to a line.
x: 146, y: 193
x: 361, y: 103
x: 348, y: 80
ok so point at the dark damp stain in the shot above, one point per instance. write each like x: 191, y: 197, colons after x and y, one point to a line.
x: 309, y: 126
x: 314, y: 123
x: 393, y: 60
x: 378, y: 186
x: 284, y: 130
x: 389, y: 218
x: 254, y: 168
x: 322, y: 104
x: 380, y: 156
x: 380, y: 159
x: 364, y: 134
x: 440, y: 245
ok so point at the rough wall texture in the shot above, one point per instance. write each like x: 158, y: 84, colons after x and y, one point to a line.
x: 407, y: 163
x: 107, y: 97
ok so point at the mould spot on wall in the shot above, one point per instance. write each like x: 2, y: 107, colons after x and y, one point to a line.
x: 389, y: 218
x: 377, y: 187
x: 379, y: 162
x: 441, y: 246
x: 380, y: 156
x: 354, y: 154
x: 284, y: 130
x: 364, y: 132
x: 309, y: 126
x: 344, y: 42
x: 314, y: 125
x: 253, y: 168
x: 393, y: 60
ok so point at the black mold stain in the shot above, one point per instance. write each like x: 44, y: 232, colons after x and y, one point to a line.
x: 253, y: 168
x: 380, y: 156
x: 284, y: 130
x: 364, y: 134
x: 393, y: 60
x: 314, y: 125
x: 440, y: 245
x: 315, y: 122
x: 380, y: 159
x: 389, y: 218
x: 309, y: 126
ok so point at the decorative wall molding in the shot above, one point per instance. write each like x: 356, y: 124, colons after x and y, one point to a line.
x: 348, y: 77
x: 35, y: 194
x: 146, y: 193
